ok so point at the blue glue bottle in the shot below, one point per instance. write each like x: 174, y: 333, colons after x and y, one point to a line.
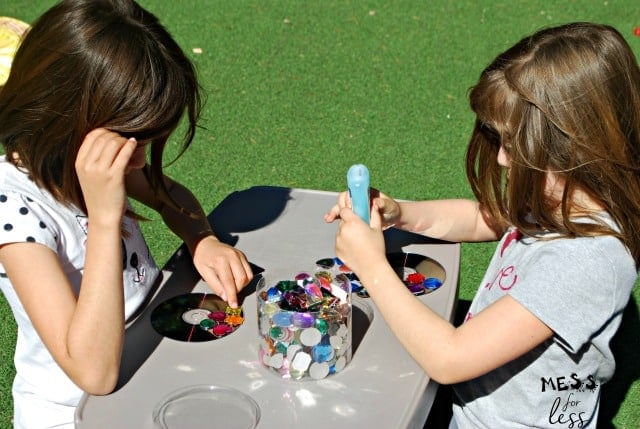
x: 358, y: 185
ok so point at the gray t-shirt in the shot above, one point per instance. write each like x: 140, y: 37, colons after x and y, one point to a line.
x: 579, y: 288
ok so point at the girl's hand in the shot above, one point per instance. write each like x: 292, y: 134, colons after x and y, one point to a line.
x: 101, y: 165
x: 388, y: 208
x: 224, y: 268
x: 360, y: 245
x: 334, y: 212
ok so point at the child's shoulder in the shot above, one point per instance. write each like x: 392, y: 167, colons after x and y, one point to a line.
x: 15, y: 180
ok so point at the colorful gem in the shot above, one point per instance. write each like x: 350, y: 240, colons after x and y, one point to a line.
x: 218, y: 316
x: 325, y: 263
x: 282, y: 318
x: 234, y: 320
x: 322, y: 353
x: 415, y: 278
x: 321, y: 325
x: 303, y: 320
x: 221, y: 330
x: 233, y: 311
x: 286, y: 285
x: 206, y: 324
x: 273, y: 295
x: 432, y: 283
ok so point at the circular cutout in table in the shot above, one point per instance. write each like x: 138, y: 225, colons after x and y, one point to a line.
x: 207, y: 406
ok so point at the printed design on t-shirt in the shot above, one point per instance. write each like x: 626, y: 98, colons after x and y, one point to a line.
x: 127, y: 260
x: 568, y: 409
x: 507, y: 276
x: 83, y: 222
x: 514, y: 235
x: 140, y: 271
x: 132, y: 260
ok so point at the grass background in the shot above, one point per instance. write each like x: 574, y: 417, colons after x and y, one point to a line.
x: 300, y: 90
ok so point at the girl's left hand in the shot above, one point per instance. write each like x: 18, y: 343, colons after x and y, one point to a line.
x: 360, y: 245
x: 224, y: 268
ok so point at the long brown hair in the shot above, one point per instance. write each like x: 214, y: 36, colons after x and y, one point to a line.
x: 87, y: 64
x: 564, y: 100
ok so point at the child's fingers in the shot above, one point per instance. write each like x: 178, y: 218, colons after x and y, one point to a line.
x: 105, y: 148
x: 332, y: 214
x: 125, y: 153
x: 346, y: 214
x: 375, y: 220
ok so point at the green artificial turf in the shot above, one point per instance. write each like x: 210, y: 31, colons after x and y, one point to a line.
x: 297, y: 91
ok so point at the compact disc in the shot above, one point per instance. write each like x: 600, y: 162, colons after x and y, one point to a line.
x: 419, y: 273
x: 196, y: 317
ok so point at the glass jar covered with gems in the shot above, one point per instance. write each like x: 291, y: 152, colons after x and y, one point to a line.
x: 305, y: 324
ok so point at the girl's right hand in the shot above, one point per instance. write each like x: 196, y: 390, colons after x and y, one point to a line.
x: 101, y: 165
x: 358, y: 245
x: 388, y: 208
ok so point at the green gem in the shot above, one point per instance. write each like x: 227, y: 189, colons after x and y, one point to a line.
x: 321, y: 325
x: 207, y: 324
x: 275, y: 332
x: 286, y: 285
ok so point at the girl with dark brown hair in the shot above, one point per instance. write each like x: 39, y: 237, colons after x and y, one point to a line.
x: 554, y: 163
x: 95, y: 87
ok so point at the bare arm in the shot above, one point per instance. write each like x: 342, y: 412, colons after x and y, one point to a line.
x: 497, y: 335
x: 456, y: 220
x: 84, y: 335
x: 223, y: 267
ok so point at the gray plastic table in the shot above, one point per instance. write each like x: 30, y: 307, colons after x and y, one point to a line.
x: 281, y: 230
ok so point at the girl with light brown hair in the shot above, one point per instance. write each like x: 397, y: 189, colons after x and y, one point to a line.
x: 554, y: 164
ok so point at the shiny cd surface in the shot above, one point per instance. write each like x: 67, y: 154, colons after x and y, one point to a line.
x: 196, y: 317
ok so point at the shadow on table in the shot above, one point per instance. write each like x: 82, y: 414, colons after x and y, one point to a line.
x: 396, y: 239
x: 240, y: 211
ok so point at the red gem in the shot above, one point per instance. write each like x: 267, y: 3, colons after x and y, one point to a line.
x: 415, y: 278
x: 636, y: 31
x: 218, y: 316
x: 221, y: 330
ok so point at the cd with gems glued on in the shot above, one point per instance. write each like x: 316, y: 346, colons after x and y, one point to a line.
x: 196, y: 317
x: 420, y: 274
